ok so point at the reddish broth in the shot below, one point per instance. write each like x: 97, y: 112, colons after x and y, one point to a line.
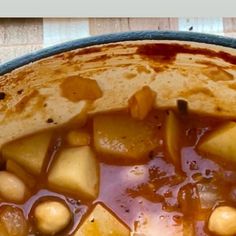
x: 152, y: 187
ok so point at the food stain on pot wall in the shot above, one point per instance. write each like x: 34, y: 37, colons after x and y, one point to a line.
x: 76, y: 88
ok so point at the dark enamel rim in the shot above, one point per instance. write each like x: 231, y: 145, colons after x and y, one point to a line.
x: 118, y: 37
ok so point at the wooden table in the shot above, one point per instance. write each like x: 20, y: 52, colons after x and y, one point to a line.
x: 20, y: 36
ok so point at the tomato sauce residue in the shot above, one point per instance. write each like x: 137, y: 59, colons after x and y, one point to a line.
x: 168, y: 52
x: 76, y: 88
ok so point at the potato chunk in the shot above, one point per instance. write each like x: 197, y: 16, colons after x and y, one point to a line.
x: 78, y: 138
x: 122, y: 136
x: 173, y: 135
x: 101, y: 222
x: 141, y: 103
x: 29, y: 152
x: 221, y: 143
x: 75, y: 171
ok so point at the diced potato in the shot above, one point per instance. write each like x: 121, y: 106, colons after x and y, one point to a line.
x: 141, y: 103
x: 16, y: 169
x: 173, y: 135
x: 122, y: 136
x: 101, y: 222
x: 221, y: 143
x: 76, y: 171
x: 29, y: 152
x: 13, y: 222
x: 78, y: 138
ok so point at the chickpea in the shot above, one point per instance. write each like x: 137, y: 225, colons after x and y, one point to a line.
x: 51, y: 217
x: 13, y: 222
x: 12, y: 188
x: 223, y: 221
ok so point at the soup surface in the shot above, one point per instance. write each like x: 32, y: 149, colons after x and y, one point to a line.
x: 170, y: 173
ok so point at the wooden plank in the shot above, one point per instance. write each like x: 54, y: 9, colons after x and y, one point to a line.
x: 230, y: 34
x: 110, y: 25
x: 203, y: 25
x: 153, y: 23
x: 229, y: 24
x: 107, y: 25
x: 58, y: 30
x: 11, y: 52
x: 19, y: 36
x: 21, y: 31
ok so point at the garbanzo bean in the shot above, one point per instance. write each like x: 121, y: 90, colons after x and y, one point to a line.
x: 51, y: 217
x: 223, y: 221
x: 12, y: 188
x: 13, y: 222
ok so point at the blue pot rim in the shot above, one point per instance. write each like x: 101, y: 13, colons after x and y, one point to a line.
x: 113, y: 38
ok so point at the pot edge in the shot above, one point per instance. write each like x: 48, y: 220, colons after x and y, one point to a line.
x: 113, y: 38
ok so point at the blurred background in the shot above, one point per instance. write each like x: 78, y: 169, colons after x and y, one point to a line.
x: 20, y: 36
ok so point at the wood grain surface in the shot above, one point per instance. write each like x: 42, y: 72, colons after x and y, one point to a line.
x: 21, y: 36
x: 103, y: 25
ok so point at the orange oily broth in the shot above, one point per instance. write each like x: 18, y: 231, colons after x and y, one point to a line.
x: 149, y: 194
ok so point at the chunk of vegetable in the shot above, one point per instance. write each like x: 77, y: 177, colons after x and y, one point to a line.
x: 173, y: 136
x: 221, y: 143
x: 29, y: 152
x: 12, y: 188
x: 208, y: 195
x: 16, y: 169
x: 76, y: 171
x: 101, y: 222
x: 51, y: 217
x: 13, y: 222
x: 122, y: 136
x: 222, y: 221
x: 141, y: 103
x: 78, y: 138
